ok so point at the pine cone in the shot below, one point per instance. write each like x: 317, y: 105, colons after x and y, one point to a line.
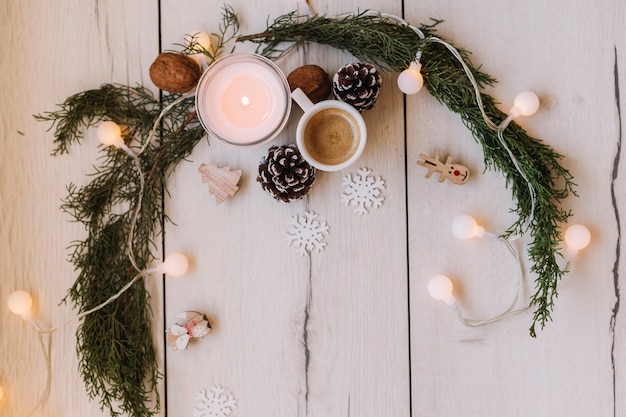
x: 357, y: 84
x: 284, y: 174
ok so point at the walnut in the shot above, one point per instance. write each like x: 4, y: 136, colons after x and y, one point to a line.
x: 175, y: 73
x: 312, y: 80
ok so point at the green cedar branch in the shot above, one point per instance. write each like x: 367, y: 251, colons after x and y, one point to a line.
x: 114, y: 344
x: 375, y: 38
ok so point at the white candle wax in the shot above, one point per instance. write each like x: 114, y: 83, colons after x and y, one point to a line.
x: 243, y: 100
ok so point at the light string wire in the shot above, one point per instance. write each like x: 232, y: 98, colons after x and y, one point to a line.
x: 479, y: 101
x: 510, y: 311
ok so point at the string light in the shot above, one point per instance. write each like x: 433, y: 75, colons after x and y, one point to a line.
x: 20, y: 302
x: 440, y: 288
x: 465, y: 227
x: 577, y: 237
x: 203, y: 40
x: 109, y: 133
x: 526, y: 103
x: 175, y: 264
x: 410, y: 81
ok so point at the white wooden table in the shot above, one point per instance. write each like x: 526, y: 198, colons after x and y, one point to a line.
x: 351, y: 330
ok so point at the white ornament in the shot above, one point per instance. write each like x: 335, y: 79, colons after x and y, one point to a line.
x: 410, y: 81
x: 306, y: 234
x: 215, y: 403
x: 362, y: 191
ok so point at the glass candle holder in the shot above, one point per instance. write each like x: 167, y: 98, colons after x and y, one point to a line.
x: 243, y: 99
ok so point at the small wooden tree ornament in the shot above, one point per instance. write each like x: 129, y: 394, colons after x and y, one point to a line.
x: 456, y: 173
x: 222, y: 181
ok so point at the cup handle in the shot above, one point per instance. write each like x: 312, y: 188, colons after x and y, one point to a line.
x: 302, y: 99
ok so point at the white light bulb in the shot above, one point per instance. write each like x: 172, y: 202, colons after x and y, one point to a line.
x: 203, y: 39
x: 110, y: 134
x: 410, y: 81
x: 175, y: 264
x: 526, y: 103
x: 20, y: 302
x: 465, y: 227
x: 440, y: 288
x: 577, y: 237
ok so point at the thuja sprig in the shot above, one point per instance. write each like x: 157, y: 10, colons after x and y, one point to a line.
x: 114, y: 344
x: 393, y: 44
x: 122, y: 212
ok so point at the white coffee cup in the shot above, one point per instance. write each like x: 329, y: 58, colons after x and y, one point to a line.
x: 331, y: 135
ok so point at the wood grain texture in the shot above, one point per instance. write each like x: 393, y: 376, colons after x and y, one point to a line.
x: 351, y: 330
x: 50, y: 51
x: 570, y: 368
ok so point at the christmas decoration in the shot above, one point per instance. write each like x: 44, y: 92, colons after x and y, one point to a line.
x: 357, y: 84
x: 449, y: 75
x: 410, y: 81
x: 306, y: 234
x: 215, y: 403
x: 107, y: 259
x: 174, y: 72
x: 312, y: 80
x: 456, y: 173
x: 222, y: 181
x: 284, y: 174
x: 194, y: 326
x: 362, y: 191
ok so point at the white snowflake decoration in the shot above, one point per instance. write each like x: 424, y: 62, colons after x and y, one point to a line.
x: 306, y: 234
x: 362, y: 191
x: 215, y: 403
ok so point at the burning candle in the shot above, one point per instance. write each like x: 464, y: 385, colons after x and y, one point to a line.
x: 243, y: 99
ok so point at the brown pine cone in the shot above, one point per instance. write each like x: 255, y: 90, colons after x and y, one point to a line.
x: 358, y: 84
x: 284, y: 174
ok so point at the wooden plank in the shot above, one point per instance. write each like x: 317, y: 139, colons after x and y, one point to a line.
x: 571, y: 368
x: 51, y: 51
x: 292, y: 335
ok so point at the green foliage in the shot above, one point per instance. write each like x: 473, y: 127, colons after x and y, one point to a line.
x: 115, y: 347
x: 391, y: 44
x: 122, y: 207
x: 122, y: 211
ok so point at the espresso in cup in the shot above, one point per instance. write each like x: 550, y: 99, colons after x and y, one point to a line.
x: 332, y: 136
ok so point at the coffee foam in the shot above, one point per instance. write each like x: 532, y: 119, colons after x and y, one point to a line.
x: 332, y: 136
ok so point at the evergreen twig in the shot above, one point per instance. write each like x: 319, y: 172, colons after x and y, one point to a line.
x: 114, y: 343
x: 375, y: 38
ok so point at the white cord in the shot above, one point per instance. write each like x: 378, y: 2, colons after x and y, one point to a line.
x: 510, y: 310
x: 493, y: 126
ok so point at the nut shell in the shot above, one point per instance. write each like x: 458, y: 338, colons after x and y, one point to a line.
x: 312, y: 80
x: 175, y: 73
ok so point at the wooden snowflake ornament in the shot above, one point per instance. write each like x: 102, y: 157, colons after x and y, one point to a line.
x: 456, y: 173
x: 222, y: 181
